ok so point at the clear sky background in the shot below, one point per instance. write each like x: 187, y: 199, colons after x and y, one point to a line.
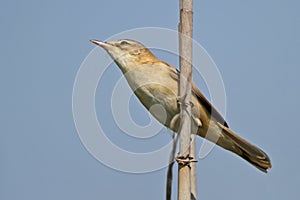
x: 255, y: 44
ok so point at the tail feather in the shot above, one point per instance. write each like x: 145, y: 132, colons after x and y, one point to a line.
x: 249, y: 152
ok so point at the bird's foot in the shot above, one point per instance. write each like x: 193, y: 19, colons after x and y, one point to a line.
x: 181, y: 100
x: 185, y: 160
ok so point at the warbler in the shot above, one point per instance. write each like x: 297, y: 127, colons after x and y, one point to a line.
x: 156, y: 82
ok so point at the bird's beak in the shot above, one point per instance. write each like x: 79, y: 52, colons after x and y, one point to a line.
x: 101, y: 44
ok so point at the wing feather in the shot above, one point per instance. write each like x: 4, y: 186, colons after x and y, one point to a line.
x: 202, y: 99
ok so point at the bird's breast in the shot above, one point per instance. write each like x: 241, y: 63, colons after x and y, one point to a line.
x: 154, y: 86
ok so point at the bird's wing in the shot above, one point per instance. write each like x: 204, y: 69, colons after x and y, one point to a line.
x: 195, y: 91
x: 208, y: 106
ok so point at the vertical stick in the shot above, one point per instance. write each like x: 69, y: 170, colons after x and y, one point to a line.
x: 193, y: 168
x: 185, y: 59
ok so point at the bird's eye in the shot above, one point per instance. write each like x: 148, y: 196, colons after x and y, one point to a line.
x: 124, y: 43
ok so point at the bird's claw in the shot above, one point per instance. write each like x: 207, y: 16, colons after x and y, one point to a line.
x: 185, y: 160
x: 181, y: 100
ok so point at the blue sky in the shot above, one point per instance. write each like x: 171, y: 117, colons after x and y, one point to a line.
x: 43, y: 43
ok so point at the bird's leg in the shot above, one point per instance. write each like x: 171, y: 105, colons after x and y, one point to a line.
x: 184, y: 159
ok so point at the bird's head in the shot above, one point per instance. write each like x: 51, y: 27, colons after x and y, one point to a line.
x: 127, y: 53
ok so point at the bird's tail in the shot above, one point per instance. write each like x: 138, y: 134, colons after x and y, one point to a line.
x: 241, y: 147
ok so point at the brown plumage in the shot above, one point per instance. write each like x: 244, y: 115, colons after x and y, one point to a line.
x: 156, y: 82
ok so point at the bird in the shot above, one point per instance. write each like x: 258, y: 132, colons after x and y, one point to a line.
x: 156, y: 82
